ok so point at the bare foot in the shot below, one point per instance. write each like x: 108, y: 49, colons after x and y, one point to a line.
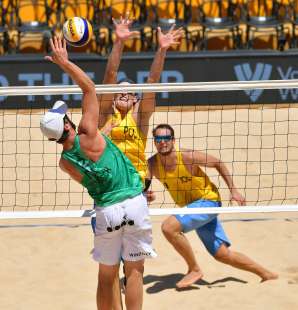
x: 269, y: 276
x: 189, y: 279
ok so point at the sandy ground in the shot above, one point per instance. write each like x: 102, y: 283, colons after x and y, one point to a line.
x: 46, y: 265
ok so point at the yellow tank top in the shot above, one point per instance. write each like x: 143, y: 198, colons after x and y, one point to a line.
x: 185, y: 188
x: 130, y: 140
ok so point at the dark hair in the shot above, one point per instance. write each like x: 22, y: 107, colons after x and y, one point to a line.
x: 163, y: 126
x: 65, y: 133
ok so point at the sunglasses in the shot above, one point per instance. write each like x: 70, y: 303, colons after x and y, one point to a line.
x: 166, y: 138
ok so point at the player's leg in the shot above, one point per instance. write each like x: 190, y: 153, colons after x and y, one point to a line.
x: 117, y: 300
x: 107, y: 252
x: 217, y: 243
x: 137, y: 245
x: 107, y: 277
x: 134, y: 284
x: 175, y: 227
x: 172, y: 229
x: 241, y: 261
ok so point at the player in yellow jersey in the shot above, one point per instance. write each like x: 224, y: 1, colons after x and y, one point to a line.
x: 189, y: 186
x: 125, y: 116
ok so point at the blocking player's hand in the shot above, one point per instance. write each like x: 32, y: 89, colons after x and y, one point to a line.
x: 122, y: 30
x: 171, y: 38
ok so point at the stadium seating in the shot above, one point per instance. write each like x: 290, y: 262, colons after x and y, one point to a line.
x: 5, y: 22
x: 137, y: 10
x: 221, y: 18
x: 33, y: 20
x: 263, y: 18
x: 27, y: 25
x: 292, y: 16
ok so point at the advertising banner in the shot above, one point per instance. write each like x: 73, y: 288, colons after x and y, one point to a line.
x: 31, y: 70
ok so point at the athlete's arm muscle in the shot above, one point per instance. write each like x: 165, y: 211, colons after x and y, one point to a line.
x: 203, y: 159
x: 70, y: 170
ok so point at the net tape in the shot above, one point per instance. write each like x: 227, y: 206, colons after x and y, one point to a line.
x: 156, y: 87
x: 152, y: 212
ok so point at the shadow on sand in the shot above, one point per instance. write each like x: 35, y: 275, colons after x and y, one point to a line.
x: 161, y: 283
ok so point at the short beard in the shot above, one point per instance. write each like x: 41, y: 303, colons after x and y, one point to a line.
x: 166, y: 153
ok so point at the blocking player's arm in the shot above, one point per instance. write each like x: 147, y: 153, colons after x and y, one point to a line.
x: 122, y: 33
x: 203, y: 159
x: 105, y: 101
x: 165, y: 41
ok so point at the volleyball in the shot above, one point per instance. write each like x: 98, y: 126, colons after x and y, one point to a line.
x: 77, y: 31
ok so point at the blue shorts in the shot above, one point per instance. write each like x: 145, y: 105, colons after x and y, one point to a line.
x: 207, y: 226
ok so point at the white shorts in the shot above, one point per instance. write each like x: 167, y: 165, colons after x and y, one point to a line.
x: 123, y: 230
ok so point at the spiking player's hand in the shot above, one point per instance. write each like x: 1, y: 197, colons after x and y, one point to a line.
x: 122, y: 31
x: 59, y: 52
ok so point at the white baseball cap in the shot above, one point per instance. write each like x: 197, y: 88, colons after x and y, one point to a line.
x: 52, y: 123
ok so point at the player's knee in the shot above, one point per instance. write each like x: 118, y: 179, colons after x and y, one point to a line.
x: 135, y: 272
x: 167, y: 229
x: 223, y: 254
x: 107, y: 275
x: 170, y: 227
x: 134, y: 269
x: 106, y: 280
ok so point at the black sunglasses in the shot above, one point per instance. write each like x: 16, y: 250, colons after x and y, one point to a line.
x: 165, y: 138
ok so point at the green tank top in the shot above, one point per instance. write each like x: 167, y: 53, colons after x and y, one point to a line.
x: 111, y: 179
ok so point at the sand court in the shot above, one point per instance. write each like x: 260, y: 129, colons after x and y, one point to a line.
x: 46, y: 265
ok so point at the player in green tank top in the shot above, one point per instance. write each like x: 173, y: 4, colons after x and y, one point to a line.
x: 123, y: 227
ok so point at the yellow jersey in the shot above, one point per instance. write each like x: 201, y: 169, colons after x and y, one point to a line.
x: 185, y: 188
x: 130, y: 140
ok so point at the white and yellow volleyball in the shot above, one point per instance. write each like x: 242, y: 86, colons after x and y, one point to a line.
x: 77, y: 31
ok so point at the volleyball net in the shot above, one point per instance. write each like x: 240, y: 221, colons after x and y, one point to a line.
x: 258, y: 144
